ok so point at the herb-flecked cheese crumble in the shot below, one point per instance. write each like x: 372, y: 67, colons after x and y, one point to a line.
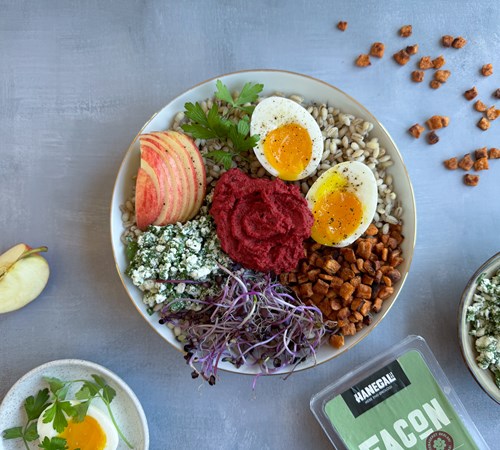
x: 484, y: 315
x: 186, y: 252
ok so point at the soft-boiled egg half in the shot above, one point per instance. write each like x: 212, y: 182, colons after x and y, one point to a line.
x: 343, y: 201
x: 95, y: 432
x: 291, y: 143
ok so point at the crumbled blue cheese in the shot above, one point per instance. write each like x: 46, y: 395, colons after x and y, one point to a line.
x: 181, y: 252
x: 484, y: 315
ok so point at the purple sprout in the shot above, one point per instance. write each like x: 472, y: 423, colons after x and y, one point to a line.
x: 254, y: 321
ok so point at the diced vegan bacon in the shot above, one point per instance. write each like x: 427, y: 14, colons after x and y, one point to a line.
x: 471, y: 93
x: 471, y: 180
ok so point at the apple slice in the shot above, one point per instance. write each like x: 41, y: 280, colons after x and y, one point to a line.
x: 181, y: 176
x: 174, y: 165
x: 24, y: 278
x: 172, y: 201
x: 154, y: 167
x: 199, y: 167
x: 173, y: 146
x: 147, y: 206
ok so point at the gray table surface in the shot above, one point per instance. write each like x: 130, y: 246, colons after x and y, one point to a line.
x: 78, y: 80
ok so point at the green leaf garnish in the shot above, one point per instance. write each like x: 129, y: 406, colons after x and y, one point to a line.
x: 57, y: 413
x: 99, y: 381
x: 56, y: 443
x: 31, y: 433
x: 199, y: 131
x: 13, y: 433
x: 223, y: 93
x: 249, y: 93
x: 34, y: 406
x: 214, y: 125
x: 81, y: 411
x: 55, y: 384
x: 221, y: 157
x: 108, y: 394
x: 57, y: 410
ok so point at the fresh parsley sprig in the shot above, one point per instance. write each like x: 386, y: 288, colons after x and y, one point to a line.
x: 213, y: 125
x: 34, y: 406
x: 56, y: 409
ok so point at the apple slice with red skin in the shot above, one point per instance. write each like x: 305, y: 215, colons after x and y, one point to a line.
x: 199, y: 167
x: 175, y: 167
x: 174, y: 146
x: 153, y: 165
x: 21, y: 279
x: 173, y: 190
x: 182, y: 176
x: 147, y: 207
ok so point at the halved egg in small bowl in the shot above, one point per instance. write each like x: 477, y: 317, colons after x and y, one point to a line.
x: 94, y: 432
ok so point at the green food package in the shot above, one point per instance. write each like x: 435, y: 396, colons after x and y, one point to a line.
x: 400, y: 401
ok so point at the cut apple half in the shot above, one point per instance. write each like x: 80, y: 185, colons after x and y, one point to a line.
x: 24, y: 276
x: 8, y: 258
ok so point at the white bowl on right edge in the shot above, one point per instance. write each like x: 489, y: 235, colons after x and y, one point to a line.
x: 485, y: 378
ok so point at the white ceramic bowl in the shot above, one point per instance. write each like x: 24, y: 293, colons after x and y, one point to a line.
x: 485, y: 378
x: 125, y: 406
x: 289, y: 83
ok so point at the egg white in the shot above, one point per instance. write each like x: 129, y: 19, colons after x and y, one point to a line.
x: 358, y: 179
x: 274, y: 112
x: 112, y: 439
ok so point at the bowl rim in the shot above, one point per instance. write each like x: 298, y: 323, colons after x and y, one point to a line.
x: 93, y: 366
x: 372, y: 118
x: 474, y: 371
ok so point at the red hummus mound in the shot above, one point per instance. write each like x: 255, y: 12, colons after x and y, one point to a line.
x: 261, y: 224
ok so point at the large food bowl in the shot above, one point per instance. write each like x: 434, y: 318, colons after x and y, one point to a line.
x: 289, y: 83
x: 485, y: 378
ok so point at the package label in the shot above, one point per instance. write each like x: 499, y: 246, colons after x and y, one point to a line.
x: 398, y: 407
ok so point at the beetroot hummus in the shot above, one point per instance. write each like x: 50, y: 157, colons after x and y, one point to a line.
x: 261, y: 224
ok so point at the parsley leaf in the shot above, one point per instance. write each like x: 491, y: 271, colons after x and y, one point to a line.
x: 249, y: 94
x: 31, y: 433
x: 221, y: 157
x: 214, y: 125
x: 108, y: 393
x: 34, y: 406
x: 81, y: 411
x: 57, y: 413
x: 99, y: 380
x: 223, y: 93
x: 240, y: 140
x: 196, y: 114
x: 56, y: 443
x: 57, y: 387
x: 199, y: 131
x: 13, y: 433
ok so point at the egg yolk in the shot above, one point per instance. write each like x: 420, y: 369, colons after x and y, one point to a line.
x: 337, y: 215
x: 288, y: 149
x: 85, y: 435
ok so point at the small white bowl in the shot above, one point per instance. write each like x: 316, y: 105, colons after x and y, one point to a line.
x: 485, y: 378
x: 125, y: 406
